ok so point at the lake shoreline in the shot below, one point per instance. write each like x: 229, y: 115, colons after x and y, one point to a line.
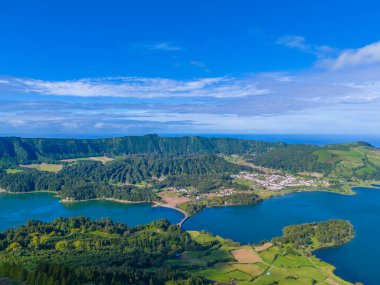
x: 69, y: 201
x: 185, y: 219
x: 152, y: 203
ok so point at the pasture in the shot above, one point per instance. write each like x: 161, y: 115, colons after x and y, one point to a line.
x: 243, y: 265
x: 44, y: 167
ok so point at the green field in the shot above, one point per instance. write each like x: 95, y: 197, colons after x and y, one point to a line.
x: 279, y: 265
x: 44, y: 167
x: 13, y: 170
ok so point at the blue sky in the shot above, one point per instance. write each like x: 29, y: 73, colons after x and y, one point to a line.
x: 134, y: 67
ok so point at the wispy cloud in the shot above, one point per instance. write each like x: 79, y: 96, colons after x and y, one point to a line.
x: 156, y: 47
x: 300, y: 43
x: 201, y: 65
x: 197, y: 63
x: 164, y: 46
x: 324, y: 100
x: 137, y: 87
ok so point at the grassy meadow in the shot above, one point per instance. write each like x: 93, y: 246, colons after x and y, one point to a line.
x: 275, y: 265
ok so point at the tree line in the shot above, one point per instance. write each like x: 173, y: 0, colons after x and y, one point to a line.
x: 317, y: 235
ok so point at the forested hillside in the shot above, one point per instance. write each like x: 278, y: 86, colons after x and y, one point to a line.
x: 77, y: 251
x: 359, y: 160
x: 80, y: 251
x: 118, y: 178
x: 25, y: 150
x: 135, y: 169
x: 341, y: 161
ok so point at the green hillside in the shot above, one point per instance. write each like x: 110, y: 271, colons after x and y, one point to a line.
x: 27, y: 150
x: 341, y: 161
x: 80, y: 251
x: 133, y: 178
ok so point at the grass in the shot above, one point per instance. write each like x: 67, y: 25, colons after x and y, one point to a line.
x: 44, y: 167
x: 216, y: 264
x: 203, y: 238
x: 214, y: 274
x: 239, y: 276
x: 104, y: 234
x: 102, y: 159
x: 13, y: 170
x: 218, y: 256
x: 298, y: 281
x: 268, y: 255
x: 271, y: 276
x: 291, y: 261
x: 253, y: 270
x: 323, y: 156
x: 310, y: 272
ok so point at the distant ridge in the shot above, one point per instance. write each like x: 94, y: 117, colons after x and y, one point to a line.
x: 25, y: 150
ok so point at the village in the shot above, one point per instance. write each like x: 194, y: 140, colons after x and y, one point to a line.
x: 277, y: 182
x: 191, y: 192
x: 268, y: 181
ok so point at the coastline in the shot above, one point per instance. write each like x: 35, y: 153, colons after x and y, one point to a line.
x: 3, y: 191
x: 68, y: 201
x: 153, y: 204
x: 269, y: 195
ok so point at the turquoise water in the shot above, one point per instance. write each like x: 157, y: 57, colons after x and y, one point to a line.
x: 16, y: 209
x: 355, y: 261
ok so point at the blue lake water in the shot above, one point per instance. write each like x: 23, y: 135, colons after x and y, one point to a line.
x: 355, y: 261
x: 16, y: 209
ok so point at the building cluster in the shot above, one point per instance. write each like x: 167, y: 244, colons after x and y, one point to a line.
x: 276, y: 182
x: 226, y: 192
x: 184, y: 191
x: 188, y: 192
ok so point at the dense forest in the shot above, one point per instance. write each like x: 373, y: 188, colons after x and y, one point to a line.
x: 117, y: 179
x: 288, y: 157
x: 80, y: 251
x: 202, y: 183
x: 135, y: 169
x: 317, y: 235
x: 14, y: 150
x: 293, y: 158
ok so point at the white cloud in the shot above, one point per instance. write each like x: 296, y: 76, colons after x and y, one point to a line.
x: 197, y: 63
x: 297, y: 42
x: 165, y: 46
x: 99, y: 125
x: 367, y: 55
x: 137, y: 87
x: 300, y: 43
x: 343, y: 100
